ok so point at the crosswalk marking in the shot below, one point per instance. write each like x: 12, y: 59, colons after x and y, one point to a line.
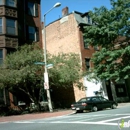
x: 125, y: 117
x: 97, y: 119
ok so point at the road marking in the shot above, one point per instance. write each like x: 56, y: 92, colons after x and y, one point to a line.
x: 23, y: 122
x: 64, y: 122
x: 76, y: 119
x: 97, y: 118
x: 114, y: 119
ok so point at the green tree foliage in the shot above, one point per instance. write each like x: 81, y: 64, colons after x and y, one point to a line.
x: 20, y: 74
x: 66, y: 70
x: 111, y: 27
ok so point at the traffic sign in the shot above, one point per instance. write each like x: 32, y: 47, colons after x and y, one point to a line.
x: 46, y: 85
x: 49, y: 66
x: 39, y: 63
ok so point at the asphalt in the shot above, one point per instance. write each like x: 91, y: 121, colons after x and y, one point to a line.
x: 44, y: 114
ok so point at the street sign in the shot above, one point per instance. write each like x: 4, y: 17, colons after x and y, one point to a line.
x: 39, y: 63
x: 46, y: 85
x: 49, y: 66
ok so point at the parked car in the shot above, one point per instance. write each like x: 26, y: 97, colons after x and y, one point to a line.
x: 94, y: 103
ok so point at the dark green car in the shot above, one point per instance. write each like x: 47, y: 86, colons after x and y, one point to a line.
x: 94, y: 103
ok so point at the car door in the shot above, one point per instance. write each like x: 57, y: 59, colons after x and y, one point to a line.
x: 105, y: 102
x: 97, y: 102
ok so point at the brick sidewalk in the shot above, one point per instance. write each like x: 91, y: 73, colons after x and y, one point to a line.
x: 35, y: 116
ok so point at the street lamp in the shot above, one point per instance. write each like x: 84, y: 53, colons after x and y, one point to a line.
x: 46, y: 79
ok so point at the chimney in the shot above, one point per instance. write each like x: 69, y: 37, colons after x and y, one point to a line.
x: 65, y: 11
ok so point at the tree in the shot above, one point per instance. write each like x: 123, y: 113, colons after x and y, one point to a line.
x: 111, y: 31
x: 20, y: 75
x: 66, y: 70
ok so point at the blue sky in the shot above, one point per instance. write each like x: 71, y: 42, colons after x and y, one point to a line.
x: 73, y: 5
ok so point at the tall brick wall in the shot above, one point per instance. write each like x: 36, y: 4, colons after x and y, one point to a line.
x: 85, y: 53
x: 63, y: 36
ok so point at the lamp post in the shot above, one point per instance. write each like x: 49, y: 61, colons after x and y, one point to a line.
x: 46, y: 79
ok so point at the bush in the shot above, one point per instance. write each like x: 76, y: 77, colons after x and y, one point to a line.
x: 3, y: 110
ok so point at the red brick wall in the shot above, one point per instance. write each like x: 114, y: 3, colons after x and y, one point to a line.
x: 85, y: 53
x: 64, y: 37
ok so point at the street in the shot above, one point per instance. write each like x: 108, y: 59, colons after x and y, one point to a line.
x: 109, y: 119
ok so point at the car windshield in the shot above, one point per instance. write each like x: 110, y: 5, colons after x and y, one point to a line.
x: 84, y: 99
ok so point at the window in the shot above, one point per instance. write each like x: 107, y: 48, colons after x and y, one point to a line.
x: 89, y: 19
x: 86, y: 45
x: 120, y: 90
x: 83, y: 100
x: 103, y: 99
x: 1, y: 56
x: 10, y: 26
x: 96, y: 48
x: 32, y: 9
x: 11, y: 3
x: 1, y: 97
x: 95, y: 99
x: 1, y: 2
x: 0, y: 25
x: 33, y: 33
x: 87, y: 63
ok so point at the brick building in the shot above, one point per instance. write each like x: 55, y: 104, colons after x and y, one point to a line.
x: 20, y: 23
x: 65, y: 35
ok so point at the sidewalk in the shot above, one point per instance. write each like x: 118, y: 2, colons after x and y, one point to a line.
x: 44, y: 114
x: 35, y: 116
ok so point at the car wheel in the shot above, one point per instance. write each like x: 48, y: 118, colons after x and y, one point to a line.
x: 114, y: 106
x: 80, y: 111
x: 94, y: 108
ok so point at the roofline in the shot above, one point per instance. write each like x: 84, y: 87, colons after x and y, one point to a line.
x: 82, y: 15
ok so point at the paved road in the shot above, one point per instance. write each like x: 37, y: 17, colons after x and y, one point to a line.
x: 102, y: 120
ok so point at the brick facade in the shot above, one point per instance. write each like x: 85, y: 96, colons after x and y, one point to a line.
x: 65, y: 35
x: 17, y: 12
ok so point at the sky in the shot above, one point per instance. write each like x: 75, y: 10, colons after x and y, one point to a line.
x: 73, y: 5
